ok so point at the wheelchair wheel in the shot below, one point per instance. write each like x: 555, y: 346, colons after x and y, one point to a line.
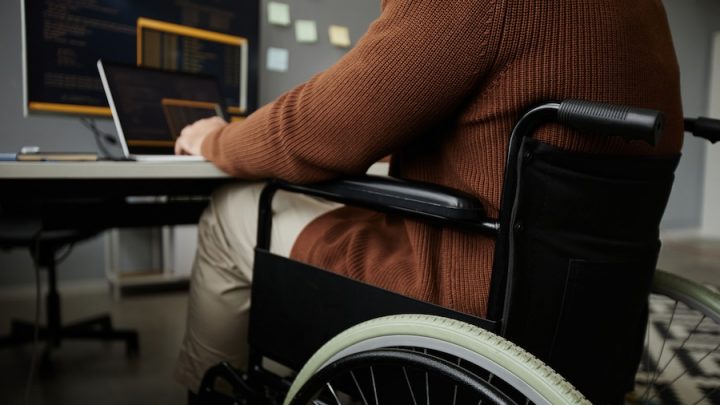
x: 414, y: 359
x: 681, y: 360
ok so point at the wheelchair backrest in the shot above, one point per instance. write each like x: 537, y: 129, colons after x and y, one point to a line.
x: 583, y: 246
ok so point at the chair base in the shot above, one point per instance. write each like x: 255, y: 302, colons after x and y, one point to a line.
x: 95, y: 328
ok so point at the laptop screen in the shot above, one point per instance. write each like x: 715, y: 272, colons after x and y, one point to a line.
x: 150, y: 106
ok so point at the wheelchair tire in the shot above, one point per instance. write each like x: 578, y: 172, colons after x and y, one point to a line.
x: 682, y: 339
x: 462, y: 354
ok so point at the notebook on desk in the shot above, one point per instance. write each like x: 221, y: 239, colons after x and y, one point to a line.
x: 150, y: 107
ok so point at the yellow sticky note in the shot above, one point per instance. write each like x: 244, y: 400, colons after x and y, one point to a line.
x: 339, y: 36
x: 305, y: 31
x: 278, y: 13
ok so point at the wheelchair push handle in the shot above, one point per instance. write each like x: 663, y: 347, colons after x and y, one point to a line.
x: 702, y: 127
x: 612, y: 120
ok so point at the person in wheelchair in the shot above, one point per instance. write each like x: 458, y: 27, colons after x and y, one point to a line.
x: 437, y: 85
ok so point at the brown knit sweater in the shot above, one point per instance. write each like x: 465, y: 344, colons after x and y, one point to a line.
x: 438, y: 84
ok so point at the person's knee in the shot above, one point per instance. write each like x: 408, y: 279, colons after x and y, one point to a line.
x: 230, y: 200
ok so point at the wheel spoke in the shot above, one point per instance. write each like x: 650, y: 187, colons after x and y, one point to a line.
x: 455, y: 387
x: 682, y: 337
x: 648, y: 359
x: 708, y: 394
x: 661, y: 370
x: 682, y: 345
x: 685, y: 372
x: 427, y: 389
x: 407, y: 379
x: 656, y: 373
x: 372, y: 376
x: 332, y: 392
x: 357, y: 385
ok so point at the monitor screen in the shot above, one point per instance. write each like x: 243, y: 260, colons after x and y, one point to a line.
x: 152, y: 106
x: 63, y: 39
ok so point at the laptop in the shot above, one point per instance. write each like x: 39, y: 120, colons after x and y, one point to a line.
x: 150, y: 108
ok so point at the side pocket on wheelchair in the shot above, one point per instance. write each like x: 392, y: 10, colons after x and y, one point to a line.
x: 602, y: 308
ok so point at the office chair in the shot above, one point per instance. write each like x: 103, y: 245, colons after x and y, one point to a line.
x: 43, y: 246
x: 576, y: 247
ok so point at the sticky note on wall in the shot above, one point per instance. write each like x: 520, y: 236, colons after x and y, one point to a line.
x: 277, y: 59
x: 305, y: 31
x: 278, y: 13
x: 339, y: 36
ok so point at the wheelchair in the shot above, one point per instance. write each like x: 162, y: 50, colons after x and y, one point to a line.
x: 577, y: 242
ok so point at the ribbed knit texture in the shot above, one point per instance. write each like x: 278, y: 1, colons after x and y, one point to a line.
x: 439, y: 84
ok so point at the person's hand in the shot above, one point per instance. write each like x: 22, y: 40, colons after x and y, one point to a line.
x: 193, y: 135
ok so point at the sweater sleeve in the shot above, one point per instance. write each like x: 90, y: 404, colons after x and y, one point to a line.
x: 414, y: 67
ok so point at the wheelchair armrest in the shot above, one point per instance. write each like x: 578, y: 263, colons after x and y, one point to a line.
x: 423, y: 200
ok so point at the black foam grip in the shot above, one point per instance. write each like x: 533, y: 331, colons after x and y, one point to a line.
x: 612, y: 120
x: 702, y: 127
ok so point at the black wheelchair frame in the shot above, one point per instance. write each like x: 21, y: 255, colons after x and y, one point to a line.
x: 291, y: 298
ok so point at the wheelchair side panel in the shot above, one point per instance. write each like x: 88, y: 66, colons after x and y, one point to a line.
x: 296, y: 308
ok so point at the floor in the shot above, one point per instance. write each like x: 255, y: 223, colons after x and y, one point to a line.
x: 91, y: 372
x: 695, y: 258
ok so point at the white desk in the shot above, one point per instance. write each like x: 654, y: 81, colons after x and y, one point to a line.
x: 108, y: 170
x: 122, y: 170
x: 94, y: 196
x: 45, y: 181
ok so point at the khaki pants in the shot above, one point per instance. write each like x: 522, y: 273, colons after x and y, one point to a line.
x: 222, y: 273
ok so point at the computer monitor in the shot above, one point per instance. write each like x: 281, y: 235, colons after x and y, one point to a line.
x: 63, y: 39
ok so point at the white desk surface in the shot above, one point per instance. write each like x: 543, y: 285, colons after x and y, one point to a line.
x: 108, y: 170
x: 123, y: 170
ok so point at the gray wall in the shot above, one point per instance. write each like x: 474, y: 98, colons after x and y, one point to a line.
x: 308, y: 59
x: 692, y: 22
